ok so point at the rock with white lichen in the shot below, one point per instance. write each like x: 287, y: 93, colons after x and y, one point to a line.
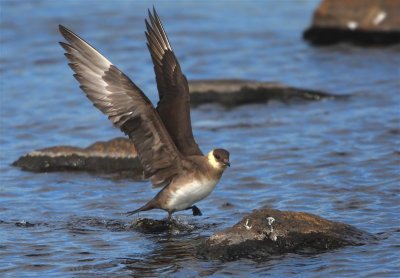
x: 267, y: 232
x: 366, y: 22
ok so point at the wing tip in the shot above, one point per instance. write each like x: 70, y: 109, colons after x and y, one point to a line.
x: 66, y: 33
x: 64, y: 45
x: 154, y: 11
x: 63, y: 30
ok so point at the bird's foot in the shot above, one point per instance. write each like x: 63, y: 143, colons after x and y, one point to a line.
x: 196, y: 211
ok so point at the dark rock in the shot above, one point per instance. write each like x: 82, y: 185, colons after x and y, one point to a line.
x: 114, y: 156
x: 366, y: 22
x: 227, y: 205
x: 165, y: 226
x: 233, y: 92
x: 87, y: 224
x: 24, y: 224
x: 254, y: 237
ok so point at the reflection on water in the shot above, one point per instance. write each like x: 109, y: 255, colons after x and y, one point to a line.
x: 337, y: 159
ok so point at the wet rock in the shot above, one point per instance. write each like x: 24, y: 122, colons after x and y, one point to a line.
x: 267, y: 232
x: 227, y: 205
x: 88, y: 224
x: 154, y: 226
x: 24, y: 224
x: 115, y: 156
x: 233, y: 92
x: 367, y: 22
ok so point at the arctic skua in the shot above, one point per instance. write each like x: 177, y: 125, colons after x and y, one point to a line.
x: 163, y: 136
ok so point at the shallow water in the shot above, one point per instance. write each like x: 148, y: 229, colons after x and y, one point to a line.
x: 336, y: 159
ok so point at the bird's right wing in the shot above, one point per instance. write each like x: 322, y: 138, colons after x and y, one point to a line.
x: 126, y: 106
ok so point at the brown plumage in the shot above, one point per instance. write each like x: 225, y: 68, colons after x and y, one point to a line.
x: 173, y: 88
x: 163, y: 137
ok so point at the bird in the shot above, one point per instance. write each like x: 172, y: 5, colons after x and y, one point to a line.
x: 162, y: 135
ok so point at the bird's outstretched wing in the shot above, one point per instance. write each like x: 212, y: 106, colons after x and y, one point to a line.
x: 126, y: 106
x: 173, y: 89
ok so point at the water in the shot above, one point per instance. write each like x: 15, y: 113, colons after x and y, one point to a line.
x: 336, y: 159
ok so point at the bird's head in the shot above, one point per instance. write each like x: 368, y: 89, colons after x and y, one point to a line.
x: 219, y: 159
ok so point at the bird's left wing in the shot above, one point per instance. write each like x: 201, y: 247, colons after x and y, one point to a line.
x: 126, y: 106
x: 173, y: 88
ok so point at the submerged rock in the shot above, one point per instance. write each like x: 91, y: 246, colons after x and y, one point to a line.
x: 233, y: 92
x: 267, y: 232
x: 115, y: 156
x: 369, y: 22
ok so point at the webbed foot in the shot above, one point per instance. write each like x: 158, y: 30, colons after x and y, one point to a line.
x: 196, y: 211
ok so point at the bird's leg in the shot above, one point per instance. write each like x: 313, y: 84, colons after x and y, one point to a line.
x: 196, y: 211
x: 169, y: 215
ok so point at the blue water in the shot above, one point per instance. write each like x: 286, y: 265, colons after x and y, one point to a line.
x: 336, y: 159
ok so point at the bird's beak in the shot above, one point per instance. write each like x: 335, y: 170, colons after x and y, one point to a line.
x: 227, y: 163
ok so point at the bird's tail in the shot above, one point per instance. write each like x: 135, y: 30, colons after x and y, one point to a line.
x: 148, y: 206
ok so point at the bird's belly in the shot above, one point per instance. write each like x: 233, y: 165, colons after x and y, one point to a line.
x: 188, y: 194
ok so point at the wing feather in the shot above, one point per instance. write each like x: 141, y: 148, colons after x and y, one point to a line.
x: 173, y: 89
x: 126, y: 106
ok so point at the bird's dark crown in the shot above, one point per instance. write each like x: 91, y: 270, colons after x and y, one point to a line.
x: 221, y: 156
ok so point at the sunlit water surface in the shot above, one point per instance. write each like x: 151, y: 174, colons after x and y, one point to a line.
x: 336, y: 159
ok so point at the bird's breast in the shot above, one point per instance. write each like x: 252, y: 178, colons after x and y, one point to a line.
x: 186, y: 194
